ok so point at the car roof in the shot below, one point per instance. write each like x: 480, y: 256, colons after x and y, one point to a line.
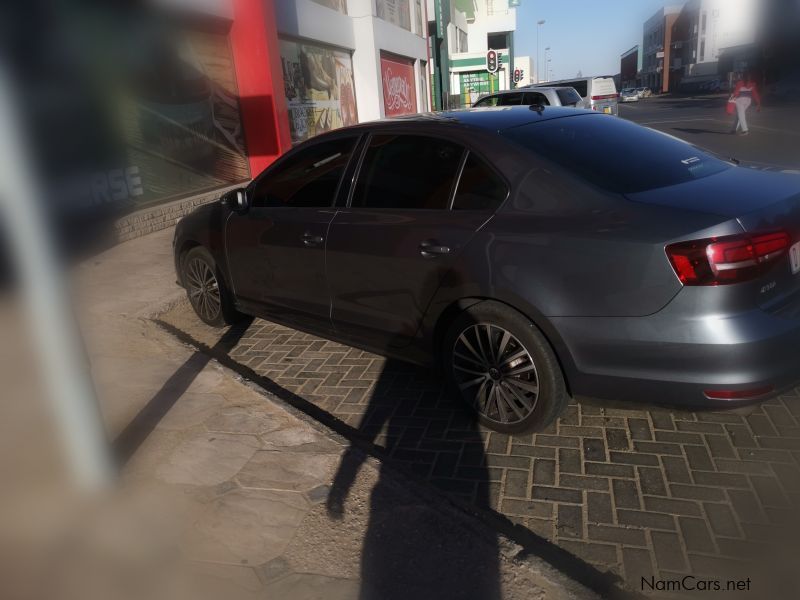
x: 495, y: 118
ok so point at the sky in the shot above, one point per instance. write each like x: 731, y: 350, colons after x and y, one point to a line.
x: 585, y: 35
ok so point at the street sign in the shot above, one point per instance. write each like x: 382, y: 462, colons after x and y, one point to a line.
x: 492, y: 61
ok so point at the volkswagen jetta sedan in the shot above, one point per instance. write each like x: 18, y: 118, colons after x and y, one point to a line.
x: 529, y: 253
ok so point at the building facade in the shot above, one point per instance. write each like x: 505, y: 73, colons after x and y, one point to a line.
x: 714, y: 39
x: 349, y: 61
x: 657, y: 49
x: 629, y: 68
x: 461, y: 33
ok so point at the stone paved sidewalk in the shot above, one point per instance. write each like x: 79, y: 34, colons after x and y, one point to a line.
x: 226, y: 493
x: 635, y: 491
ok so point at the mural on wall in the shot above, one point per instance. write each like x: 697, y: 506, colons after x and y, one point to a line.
x: 320, y: 93
x: 399, y: 92
x: 394, y: 11
x: 338, y: 5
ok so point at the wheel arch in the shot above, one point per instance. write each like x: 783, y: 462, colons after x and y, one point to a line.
x: 180, y: 256
x: 455, y: 308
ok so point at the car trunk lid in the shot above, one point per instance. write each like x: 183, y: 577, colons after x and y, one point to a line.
x: 761, y: 203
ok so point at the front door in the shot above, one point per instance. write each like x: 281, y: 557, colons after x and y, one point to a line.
x: 389, y: 251
x: 276, y: 250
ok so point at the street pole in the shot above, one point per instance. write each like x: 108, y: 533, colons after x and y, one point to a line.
x: 57, y: 341
x: 538, y: 64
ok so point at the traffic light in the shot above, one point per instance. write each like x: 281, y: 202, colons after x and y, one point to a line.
x: 492, y: 62
x: 517, y: 75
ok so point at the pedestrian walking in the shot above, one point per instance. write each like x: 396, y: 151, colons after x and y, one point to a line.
x: 745, y: 93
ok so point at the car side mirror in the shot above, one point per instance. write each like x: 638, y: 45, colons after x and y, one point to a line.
x: 236, y: 200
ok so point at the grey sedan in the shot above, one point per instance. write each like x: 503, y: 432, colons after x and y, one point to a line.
x: 526, y: 252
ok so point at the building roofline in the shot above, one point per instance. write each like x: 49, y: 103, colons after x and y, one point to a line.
x: 629, y: 52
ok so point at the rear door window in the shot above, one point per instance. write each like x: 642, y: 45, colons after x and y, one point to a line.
x: 531, y: 98
x: 510, y: 100
x: 479, y: 188
x: 407, y: 172
x: 568, y: 96
x: 598, y: 149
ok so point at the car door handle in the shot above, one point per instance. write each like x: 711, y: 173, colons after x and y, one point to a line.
x: 431, y: 249
x: 309, y: 239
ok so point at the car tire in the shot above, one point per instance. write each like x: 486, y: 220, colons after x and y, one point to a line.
x: 206, y: 289
x: 501, y: 365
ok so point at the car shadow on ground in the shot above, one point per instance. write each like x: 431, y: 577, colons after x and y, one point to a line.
x: 418, y: 431
x: 125, y: 445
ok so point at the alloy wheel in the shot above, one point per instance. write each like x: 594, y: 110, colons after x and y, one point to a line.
x: 495, y: 373
x: 203, y: 289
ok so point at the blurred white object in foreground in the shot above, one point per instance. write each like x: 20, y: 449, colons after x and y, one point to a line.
x: 57, y: 341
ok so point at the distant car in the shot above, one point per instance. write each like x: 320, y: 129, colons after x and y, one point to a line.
x: 541, y: 96
x: 629, y: 95
x: 599, y: 93
x: 531, y: 254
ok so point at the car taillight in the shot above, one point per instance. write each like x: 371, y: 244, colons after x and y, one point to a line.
x: 727, y: 260
x: 608, y: 97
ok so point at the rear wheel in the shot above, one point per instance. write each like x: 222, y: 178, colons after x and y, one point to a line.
x: 206, y: 290
x: 500, y: 364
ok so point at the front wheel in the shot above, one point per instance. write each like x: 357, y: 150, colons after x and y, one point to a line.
x: 502, y: 366
x: 206, y: 290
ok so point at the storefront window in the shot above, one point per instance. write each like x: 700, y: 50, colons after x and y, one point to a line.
x: 394, y: 11
x: 337, y: 5
x: 320, y: 93
x: 165, y: 122
x: 476, y: 84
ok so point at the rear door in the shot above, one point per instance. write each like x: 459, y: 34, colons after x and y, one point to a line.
x: 604, y: 95
x: 388, y: 252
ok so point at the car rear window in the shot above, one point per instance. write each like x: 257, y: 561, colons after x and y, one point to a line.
x: 615, y: 154
x: 568, y: 97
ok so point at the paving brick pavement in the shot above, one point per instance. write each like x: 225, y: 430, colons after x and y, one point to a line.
x: 636, y: 491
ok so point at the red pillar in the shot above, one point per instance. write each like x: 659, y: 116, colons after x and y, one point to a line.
x: 259, y: 76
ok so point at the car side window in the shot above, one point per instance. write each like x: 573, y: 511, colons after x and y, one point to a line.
x: 408, y: 172
x: 510, y: 99
x: 535, y: 98
x: 309, y: 179
x: 490, y: 101
x: 479, y: 188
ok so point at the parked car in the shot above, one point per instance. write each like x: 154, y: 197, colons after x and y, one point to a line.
x: 599, y: 93
x: 629, y: 95
x: 504, y: 247
x: 542, y: 96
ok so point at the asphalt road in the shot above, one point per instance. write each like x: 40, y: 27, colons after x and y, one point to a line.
x: 773, y: 143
